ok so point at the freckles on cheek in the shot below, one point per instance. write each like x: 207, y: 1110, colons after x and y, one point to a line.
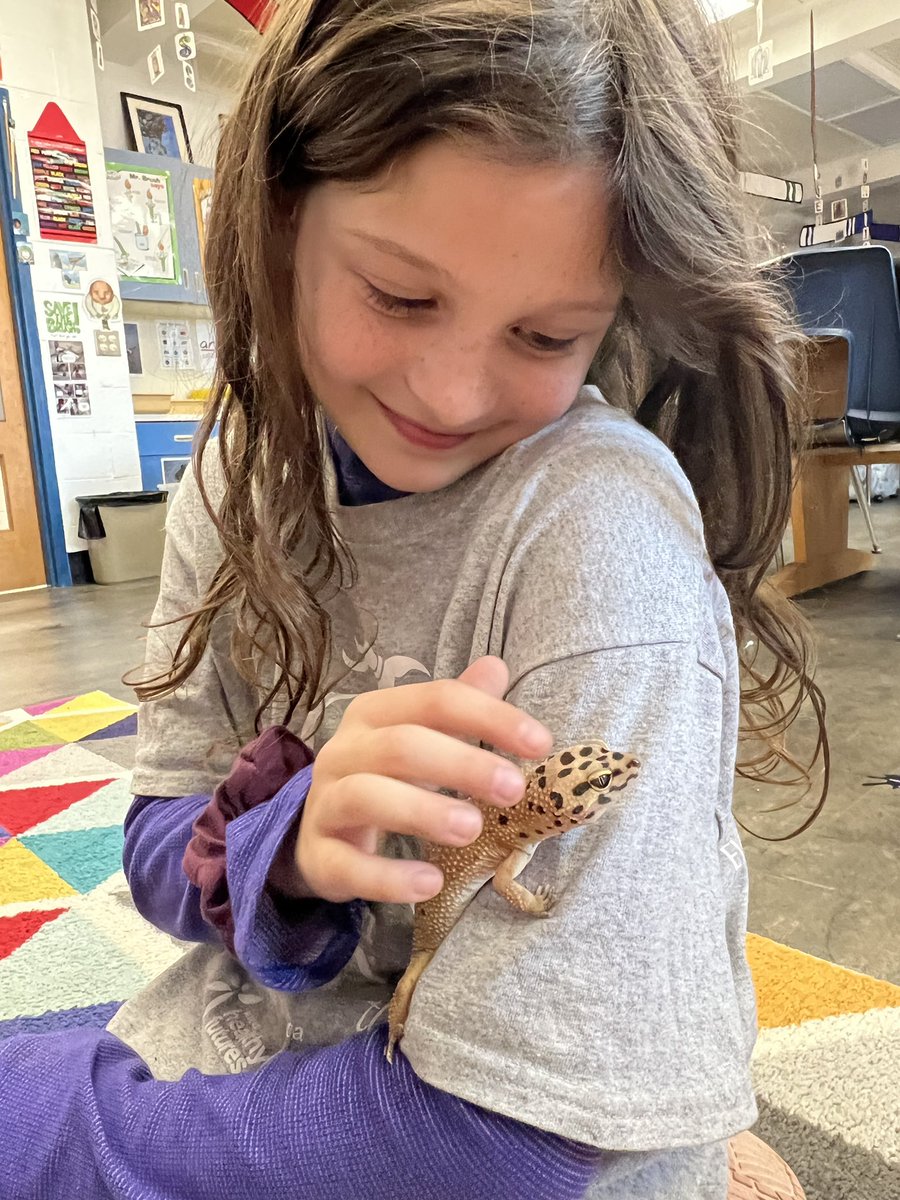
x: 352, y: 350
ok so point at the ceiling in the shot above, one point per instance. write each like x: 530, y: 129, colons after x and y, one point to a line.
x: 857, y: 91
x: 857, y: 79
x: 224, y: 38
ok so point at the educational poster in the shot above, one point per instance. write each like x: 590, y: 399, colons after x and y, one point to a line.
x: 150, y: 14
x: 62, y: 183
x: 176, y: 351
x: 69, y: 379
x: 143, y: 223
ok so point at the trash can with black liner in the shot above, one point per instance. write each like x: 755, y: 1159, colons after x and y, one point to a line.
x: 126, y: 532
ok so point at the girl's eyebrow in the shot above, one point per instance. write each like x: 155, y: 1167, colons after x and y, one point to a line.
x: 402, y: 252
x: 602, y: 304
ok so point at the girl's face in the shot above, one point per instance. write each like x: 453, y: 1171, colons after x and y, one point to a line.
x: 453, y: 311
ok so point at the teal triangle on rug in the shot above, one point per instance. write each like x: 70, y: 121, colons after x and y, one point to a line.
x: 84, y: 858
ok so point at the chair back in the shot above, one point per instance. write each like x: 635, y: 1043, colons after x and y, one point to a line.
x: 850, y: 292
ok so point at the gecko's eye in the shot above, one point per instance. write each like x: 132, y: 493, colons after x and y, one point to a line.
x: 601, y: 782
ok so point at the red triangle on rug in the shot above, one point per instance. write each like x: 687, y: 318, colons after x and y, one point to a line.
x: 23, y: 808
x: 15, y: 931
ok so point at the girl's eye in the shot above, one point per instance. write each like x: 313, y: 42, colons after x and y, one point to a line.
x: 394, y: 304
x: 541, y: 342
x: 403, y: 306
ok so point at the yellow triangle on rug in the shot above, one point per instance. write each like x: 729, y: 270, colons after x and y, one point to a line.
x: 793, y: 987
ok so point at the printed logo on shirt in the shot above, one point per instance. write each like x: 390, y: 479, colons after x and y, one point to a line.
x: 733, y: 852
x: 375, y: 671
x: 229, y: 1023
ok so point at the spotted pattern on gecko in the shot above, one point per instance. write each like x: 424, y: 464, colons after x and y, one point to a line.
x: 565, y: 791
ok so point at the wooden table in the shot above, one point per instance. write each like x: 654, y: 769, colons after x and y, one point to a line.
x: 820, y: 518
x: 820, y: 507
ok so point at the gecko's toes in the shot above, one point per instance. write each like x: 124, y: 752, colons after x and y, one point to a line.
x: 394, y: 1036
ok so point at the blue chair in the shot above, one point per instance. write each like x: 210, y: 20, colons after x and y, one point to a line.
x: 851, y: 292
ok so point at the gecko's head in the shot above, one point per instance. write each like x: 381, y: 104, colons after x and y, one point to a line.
x: 572, y: 786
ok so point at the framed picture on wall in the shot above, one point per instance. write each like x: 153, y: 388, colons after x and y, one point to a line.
x: 156, y: 127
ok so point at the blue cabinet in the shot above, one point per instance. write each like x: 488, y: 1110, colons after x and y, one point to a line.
x: 190, y: 288
x: 165, y: 448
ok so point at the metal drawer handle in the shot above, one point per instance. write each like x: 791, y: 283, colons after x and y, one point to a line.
x: 183, y: 437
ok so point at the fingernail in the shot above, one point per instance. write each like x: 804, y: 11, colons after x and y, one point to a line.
x: 509, y: 783
x: 535, y: 736
x: 426, y: 882
x: 463, y: 821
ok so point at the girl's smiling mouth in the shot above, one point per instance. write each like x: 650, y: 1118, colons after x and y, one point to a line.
x: 419, y: 435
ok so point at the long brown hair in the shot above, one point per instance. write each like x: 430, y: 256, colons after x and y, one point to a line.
x: 704, y: 349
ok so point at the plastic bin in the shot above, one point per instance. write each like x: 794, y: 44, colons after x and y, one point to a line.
x: 126, y: 532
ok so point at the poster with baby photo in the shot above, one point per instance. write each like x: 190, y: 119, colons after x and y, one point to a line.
x: 150, y: 13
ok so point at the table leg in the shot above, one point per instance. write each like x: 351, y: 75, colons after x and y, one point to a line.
x: 820, y: 515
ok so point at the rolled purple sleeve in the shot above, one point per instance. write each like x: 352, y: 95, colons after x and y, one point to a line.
x: 157, y: 831
x: 198, y: 868
x: 81, y: 1115
x: 292, y: 953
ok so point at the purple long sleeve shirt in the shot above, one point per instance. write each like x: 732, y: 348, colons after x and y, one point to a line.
x: 81, y: 1114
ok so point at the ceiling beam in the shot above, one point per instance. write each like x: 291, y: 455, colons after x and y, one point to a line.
x: 876, y: 68
x: 841, y: 30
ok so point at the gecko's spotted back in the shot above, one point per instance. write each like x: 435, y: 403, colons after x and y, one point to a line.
x: 567, y: 789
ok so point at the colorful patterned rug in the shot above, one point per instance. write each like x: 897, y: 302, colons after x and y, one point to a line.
x: 73, y: 948
x: 72, y: 945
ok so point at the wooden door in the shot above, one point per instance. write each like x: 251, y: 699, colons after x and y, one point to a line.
x: 21, y: 554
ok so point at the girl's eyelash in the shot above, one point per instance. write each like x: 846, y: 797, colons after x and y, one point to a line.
x: 394, y: 304
x: 400, y: 304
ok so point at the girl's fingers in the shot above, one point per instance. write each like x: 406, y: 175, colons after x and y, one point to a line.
x: 391, y: 806
x: 458, y: 709
x: 416, y: 754
x: 350, y: 874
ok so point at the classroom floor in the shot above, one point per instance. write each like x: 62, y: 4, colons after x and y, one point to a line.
x: 831, y: 892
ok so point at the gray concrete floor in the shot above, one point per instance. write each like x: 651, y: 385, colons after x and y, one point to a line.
x: 833, y: 891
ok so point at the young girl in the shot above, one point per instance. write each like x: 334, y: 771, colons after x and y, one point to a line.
x: 433, y: 222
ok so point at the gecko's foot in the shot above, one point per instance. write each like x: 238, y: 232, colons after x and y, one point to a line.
x: 394, y: 1037
x: 544, y: 899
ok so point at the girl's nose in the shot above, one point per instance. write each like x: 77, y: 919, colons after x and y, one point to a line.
x: 454, y: 389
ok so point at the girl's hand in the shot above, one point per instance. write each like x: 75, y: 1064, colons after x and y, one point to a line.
x: 375, y: 774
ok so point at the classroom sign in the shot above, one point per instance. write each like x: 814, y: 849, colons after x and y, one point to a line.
x: 62, y: 182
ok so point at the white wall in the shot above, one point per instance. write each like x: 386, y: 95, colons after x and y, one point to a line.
x: 201, y: 109
x: 48, y: 56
